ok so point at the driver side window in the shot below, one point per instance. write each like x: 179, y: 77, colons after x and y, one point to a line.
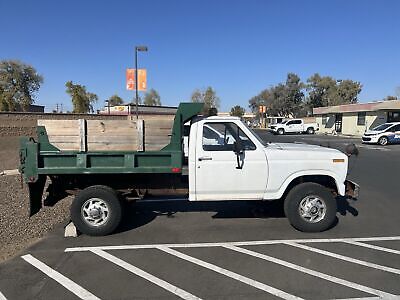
x: 222, y: 136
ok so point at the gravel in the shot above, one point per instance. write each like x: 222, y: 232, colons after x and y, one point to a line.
x: 17, y: 230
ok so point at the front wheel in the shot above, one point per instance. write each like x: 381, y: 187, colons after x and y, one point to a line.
x: 310, y: 130
x: 281, y: 131
x: 96, y: 210
x: 310, y: 207
x: 383, y: 141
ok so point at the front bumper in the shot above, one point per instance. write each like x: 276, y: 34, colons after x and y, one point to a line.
x: 352, y: 189
x: 370, y: 139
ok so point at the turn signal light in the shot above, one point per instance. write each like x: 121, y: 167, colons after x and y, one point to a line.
x: 176, y: 170
x: 338, y: 160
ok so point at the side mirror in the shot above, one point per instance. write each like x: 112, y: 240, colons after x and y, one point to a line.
x: 237, y: 148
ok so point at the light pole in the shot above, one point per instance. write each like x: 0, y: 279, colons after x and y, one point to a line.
x: 137, y: 49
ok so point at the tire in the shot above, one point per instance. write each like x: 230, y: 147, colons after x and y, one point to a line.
x: 281, y: 131
x: 105, y: 207
x: 316, y: 197
x: 310, y: 130
x: 383, y: 141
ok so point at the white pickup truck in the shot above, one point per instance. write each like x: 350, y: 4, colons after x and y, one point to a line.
x: 294, y: 126
x: 228, y: 161
x: 225, y: 160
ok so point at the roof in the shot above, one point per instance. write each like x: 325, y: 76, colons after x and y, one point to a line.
x: 222, y: 118
x: 358, y: 107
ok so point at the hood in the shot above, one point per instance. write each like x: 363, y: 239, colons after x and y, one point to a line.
x: 373, y: 132
x: 290, y: 151
x: 300, y: 147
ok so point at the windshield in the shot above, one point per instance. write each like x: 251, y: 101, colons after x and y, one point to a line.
x: 382, y: 127
x: 255, y: 135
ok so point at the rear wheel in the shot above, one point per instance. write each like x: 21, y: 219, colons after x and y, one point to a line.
x: 281, y: 131
x: 310, y: 207
x: 96, y: 210
x: 310, y: 130
x: 383, y: 141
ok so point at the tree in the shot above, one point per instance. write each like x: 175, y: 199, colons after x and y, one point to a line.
x: 209, y: 98
x: 237, y: 111
x: 389, y: 98
x: 18, y: 84
x: 284, y: 99
x: 115, y: 100
x: 82, y: 100
x: 326, y: 91
x: 152, y: 98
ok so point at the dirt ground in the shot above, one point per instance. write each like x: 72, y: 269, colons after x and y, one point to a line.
x: 17, y: 230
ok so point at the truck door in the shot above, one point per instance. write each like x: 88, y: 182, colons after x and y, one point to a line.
x: 297, y: 126
x: 290, y: 126
x: 220, y: 173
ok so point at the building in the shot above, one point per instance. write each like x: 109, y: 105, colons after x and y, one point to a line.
x: 354, y: 119
x: 130, y: 109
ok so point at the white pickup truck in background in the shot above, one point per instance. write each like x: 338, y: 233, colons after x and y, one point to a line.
x: 294, y: 126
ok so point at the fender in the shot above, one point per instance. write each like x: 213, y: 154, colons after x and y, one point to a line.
x: 277, y: 194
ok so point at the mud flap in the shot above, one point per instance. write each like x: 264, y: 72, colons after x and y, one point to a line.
x: 352, y: 189
x: 35, y: 195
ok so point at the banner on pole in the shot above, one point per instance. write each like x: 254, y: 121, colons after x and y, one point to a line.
x: 130, y: 79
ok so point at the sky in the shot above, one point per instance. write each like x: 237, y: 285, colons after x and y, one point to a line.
x: 237, y: 47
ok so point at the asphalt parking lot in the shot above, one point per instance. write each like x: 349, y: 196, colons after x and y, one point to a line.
x: 233, y: 250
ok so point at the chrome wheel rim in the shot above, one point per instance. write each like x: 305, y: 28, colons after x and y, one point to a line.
x: 95, y: 212
x: 383, y: 141
x: 312, y: 209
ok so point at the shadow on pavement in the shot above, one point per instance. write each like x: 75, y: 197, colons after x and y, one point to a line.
x: 141, y: 213
x: 344, y: 205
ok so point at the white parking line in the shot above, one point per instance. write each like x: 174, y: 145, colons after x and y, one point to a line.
x: 246, y: 243
x: 345, y: 258
x: 389, y: 250
x: 139, y: 272
x: 233, y: 275
x: 313, y: 273
x: 61, y: 279
x: 2, y: 297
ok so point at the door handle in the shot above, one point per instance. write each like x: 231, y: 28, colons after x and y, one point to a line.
x: 205, y: 158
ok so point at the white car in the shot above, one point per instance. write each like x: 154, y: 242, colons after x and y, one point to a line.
x: 387, y: 133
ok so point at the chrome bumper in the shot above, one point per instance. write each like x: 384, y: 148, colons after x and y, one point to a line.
x: 352, y: 189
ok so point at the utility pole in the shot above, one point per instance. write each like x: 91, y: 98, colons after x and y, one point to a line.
x: 137, y: 49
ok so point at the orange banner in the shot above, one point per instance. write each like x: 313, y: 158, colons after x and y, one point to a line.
x: 142, y: 79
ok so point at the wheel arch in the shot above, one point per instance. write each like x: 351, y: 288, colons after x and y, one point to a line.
x: 324, y: 178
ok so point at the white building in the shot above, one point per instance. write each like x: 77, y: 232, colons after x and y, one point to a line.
x: 354, y: 119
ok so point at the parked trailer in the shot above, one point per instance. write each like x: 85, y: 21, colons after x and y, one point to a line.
x: 226, y: 161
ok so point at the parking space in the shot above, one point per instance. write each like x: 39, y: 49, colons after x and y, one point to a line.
x: 229, y: 250
x: 286, y: 269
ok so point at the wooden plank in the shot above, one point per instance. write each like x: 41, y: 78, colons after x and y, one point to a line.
x: 64, y: 139
x: 157, y: 139
x: 60, y: 127
x: 82, y: 135
x: 111, y: 147
x: 67, y: 146
x: 110, y: 139
x: 110, y: 126
x: 140, y: 135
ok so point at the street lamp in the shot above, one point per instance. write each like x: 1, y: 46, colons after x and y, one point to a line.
x: 137, y: 49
